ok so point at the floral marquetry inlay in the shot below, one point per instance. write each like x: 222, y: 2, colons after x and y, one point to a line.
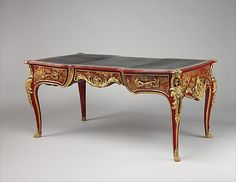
x: 98, y: 79
x: 50, y: 74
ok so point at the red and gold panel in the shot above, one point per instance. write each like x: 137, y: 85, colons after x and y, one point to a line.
x: 49, y: 74
x: 147, y: 83
x: 194, y: 82
x: 98, y: 79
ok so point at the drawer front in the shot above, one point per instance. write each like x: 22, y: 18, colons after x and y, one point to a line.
x: 147, y: 83
x: 50, y: 74
x: 98, y: 79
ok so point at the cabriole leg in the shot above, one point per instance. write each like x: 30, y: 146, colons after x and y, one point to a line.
x: 32, y: 92
x: 175, y: 100
x: 209, y: 100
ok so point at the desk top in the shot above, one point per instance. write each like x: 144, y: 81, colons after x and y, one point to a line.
x: 121, y: 63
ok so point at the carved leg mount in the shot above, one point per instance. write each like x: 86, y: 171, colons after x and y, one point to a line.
x: 176, y: 104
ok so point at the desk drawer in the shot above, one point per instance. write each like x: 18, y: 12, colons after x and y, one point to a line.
x: 98, y: 79
x: 49, y: 74
x: 147, y: 82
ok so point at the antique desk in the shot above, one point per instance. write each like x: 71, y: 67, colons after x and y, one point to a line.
x: 173, y: 78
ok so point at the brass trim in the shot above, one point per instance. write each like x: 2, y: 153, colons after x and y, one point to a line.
x: 176, y: 93
x: 28, y: 85
x: 70, y: 75
x: 140, y: 82
x: 37, y: 134
x: 208, y: 135
x: 48, y: 82
x: 97, y: 81
x: 147, y: 92
x: 176, y: 156
x: 214, y: 84
x: 199, y: 88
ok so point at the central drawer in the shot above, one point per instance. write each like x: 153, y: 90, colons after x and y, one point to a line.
x: 98, y: 79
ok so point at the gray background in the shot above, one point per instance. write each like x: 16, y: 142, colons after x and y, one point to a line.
x: 127, y: 137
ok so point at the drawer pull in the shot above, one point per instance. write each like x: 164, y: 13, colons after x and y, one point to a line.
x: 140, y: 82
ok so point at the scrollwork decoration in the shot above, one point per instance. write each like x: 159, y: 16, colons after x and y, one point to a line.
x: 97, y: 80
x: 28, y: 85
x: 199, y: 88
x: 214, y: 85
x: 176, y: 93
x: 146, y: 81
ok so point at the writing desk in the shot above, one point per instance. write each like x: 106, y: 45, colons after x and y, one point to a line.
x: 172, y: 78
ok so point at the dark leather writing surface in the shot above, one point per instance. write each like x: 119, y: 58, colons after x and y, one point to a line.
x: 123, y: 62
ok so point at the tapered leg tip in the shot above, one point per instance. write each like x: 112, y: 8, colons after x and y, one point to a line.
x: 83, y: 119
x: 177, y: 159
x: 37, y: 134
x: 209, y: 135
